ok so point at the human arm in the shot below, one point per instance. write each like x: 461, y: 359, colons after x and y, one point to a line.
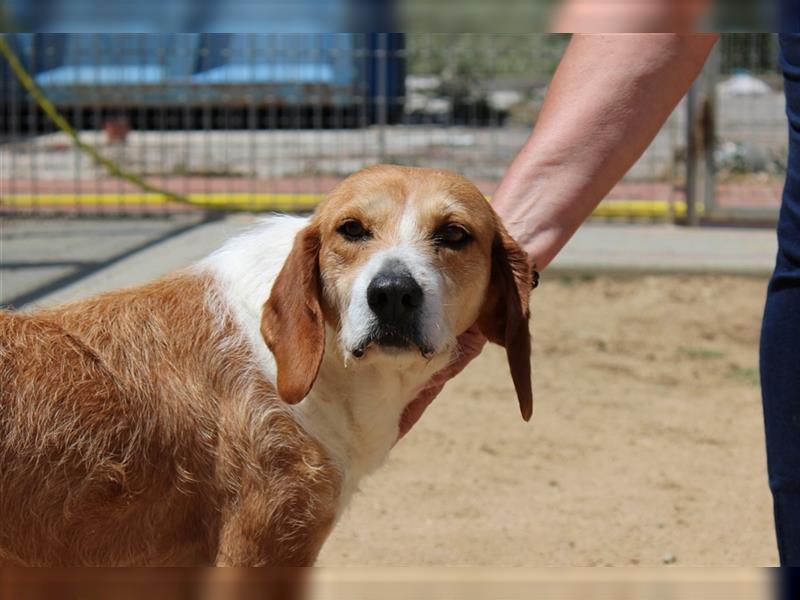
x: 606, y: 102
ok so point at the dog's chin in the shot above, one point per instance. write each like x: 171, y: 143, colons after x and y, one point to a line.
x: 393, y: 345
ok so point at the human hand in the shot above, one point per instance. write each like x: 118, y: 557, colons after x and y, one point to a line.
x: 470, y: 344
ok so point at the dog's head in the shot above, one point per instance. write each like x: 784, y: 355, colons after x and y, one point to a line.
x: 399, y: 261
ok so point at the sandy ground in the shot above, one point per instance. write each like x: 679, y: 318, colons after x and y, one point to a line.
x: 646, y: 441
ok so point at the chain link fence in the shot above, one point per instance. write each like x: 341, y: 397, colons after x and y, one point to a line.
x: 273, y: 121
x: 751, y: 140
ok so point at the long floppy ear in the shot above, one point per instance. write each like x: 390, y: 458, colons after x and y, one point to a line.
x: 505, y: 312
x: 292, y: 322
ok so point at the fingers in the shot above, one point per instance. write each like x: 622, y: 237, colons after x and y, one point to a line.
x: 470, y: 344
x: 414, y: 410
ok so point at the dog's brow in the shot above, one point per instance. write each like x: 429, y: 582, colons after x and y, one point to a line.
x: 408, y: 226
x: 453, y: 202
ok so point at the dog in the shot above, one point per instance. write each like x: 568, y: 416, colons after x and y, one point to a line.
x: 225, y: 414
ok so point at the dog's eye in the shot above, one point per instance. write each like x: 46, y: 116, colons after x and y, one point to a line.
x: 453, y: 236
x: 353, y: 230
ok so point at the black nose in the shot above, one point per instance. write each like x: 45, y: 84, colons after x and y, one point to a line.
x: 394, y: 297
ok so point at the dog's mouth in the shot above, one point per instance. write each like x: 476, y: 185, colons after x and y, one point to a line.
x: 395, y: 341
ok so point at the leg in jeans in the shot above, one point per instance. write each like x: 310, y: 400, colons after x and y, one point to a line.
x: 780, y: 335
x: 780, y: 381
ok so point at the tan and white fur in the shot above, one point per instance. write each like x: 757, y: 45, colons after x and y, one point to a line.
x: 226, y: 414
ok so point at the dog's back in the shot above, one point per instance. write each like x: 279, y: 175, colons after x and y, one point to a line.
x: 95, y: 450
x: 136, y: 428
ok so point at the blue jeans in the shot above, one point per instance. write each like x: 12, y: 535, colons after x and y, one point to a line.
x: 780, y: 334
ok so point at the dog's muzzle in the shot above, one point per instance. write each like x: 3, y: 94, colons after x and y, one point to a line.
x: 395, y: 298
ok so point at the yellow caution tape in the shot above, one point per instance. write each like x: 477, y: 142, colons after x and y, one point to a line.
x: 259, y: 201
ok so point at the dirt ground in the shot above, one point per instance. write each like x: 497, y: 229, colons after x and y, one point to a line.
x: 645, y: 447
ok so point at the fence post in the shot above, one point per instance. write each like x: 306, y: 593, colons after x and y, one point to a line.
x: 701, y: 140
x: 383, y: 93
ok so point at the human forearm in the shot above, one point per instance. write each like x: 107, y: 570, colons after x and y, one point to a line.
x: 606, y: 102
x: 650, y: 16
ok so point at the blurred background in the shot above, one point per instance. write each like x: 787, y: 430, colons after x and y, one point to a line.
x: 270, y: 121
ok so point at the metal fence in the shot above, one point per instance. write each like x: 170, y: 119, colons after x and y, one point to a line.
x: 272, y: 121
